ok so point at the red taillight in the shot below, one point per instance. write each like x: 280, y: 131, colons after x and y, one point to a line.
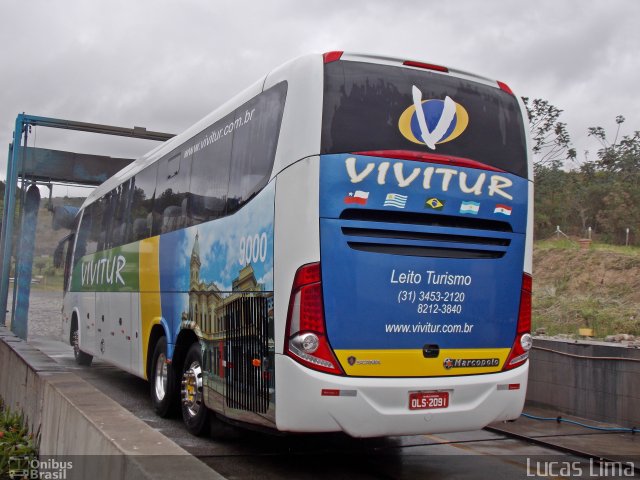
x: 307, y: 274
x: 524, y: 317
x: 331, y: 56
x: 429, y: 157
x: 427, y: 66
x: 306, y: 340
x: 504, y: 87
x: 522, y: 344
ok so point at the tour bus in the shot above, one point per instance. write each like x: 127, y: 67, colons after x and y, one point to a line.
x: 344, y: 246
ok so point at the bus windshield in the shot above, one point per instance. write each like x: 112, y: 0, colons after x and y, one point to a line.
x: 369, y: 107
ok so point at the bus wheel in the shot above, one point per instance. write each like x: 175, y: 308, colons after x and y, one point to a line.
x: 80, y: 357
x: 162, y: 381
x: 194, y: 412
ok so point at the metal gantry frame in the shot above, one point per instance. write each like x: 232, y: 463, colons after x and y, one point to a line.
x: 35, y: 164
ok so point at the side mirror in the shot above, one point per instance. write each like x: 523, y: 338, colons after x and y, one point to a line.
x: 58, y: 253
x: 64, y: 217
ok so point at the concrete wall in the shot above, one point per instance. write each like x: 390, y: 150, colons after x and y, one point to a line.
x: 78, y: 423
x: 598, y: 389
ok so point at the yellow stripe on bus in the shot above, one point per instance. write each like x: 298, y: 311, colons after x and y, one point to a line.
x: 412, y: 363
x: 150, y: 307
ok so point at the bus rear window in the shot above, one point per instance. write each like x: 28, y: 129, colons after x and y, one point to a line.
x: 373, y: 107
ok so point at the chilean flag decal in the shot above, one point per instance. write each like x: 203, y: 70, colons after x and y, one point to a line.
x: 358, y: 197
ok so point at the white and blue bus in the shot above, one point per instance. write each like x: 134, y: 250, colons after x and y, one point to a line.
x: 344, y: 246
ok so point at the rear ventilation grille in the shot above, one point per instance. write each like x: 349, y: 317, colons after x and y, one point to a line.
x: 426, y: 219
x: 424, y: 234
x: 418, y: 251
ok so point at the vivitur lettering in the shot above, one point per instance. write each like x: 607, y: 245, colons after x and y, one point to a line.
x: 497, y: 184
x: 106, y: 270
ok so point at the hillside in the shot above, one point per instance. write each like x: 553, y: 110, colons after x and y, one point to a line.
x: 597, y: 288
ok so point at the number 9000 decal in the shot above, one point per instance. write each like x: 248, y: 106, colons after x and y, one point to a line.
x: 253, y: 248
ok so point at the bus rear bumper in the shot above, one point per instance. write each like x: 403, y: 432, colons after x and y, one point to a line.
x: 372, y: 407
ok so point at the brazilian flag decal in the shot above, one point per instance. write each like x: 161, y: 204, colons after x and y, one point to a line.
x: 434, y: 203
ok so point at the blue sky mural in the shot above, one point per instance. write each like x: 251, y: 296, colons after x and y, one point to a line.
x: 226, y: 245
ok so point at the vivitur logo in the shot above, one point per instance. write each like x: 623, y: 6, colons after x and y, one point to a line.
x: 432, y: 122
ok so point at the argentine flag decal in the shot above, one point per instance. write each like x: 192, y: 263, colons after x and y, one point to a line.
x: 471, y: 208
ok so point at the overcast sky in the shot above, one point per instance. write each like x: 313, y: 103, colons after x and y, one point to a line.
x: 165, y: 64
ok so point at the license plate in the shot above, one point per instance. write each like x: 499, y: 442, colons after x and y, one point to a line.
x: 428, y: 400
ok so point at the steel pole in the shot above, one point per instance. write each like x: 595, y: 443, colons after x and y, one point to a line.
x: 6, y: 247
x: 24, y: 263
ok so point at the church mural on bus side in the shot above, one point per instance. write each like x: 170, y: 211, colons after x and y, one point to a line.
x: 216, y: 279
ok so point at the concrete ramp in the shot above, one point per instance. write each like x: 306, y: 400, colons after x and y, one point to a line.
x: 82, y: 431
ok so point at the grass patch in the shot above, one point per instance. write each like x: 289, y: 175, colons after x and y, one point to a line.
x: 572, y: 244
x: 563, y: 243
x: 18, y: 447
x: 606, y: 316
x: 598, y: 288
x: 54, y: 282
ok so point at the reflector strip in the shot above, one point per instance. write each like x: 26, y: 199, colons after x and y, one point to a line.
x: 327, y: 392
x: 330, y: 392
x: 332, y: 56
x: 510, y: 386
x: 504, y: 87
x: 427, y: 66
x: 429, y: 157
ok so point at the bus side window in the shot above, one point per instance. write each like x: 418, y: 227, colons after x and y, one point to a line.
x: 144, y: 187
x: 210, y: 175
x: 254, y: 145
x: 83, y: 236
x: 120, y: 220
x: 93, y: 238
x: 62, y: 257
x: 108, y: 204
x: 170, y: 208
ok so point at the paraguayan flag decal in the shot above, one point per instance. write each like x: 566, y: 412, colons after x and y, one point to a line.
x: 471, y: 208
x: 395, y: 200
x: 502, y: 209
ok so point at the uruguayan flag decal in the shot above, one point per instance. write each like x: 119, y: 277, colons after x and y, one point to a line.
x: 395, y: 200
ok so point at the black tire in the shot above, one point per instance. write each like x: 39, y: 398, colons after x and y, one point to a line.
x: 81, y: 358
x: 162, y: 381
x: 195, y: 414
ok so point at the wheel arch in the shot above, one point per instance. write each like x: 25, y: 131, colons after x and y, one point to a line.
x: 75, y: 322
x: 74, y: 325
x: 184, y: 340
x: 157, y: 332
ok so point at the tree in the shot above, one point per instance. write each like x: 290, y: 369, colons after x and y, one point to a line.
x: 619, y: 164
x: 551, y: 148
x: 619, y: 157
x: 40, y: 263
x: 551, y: 140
